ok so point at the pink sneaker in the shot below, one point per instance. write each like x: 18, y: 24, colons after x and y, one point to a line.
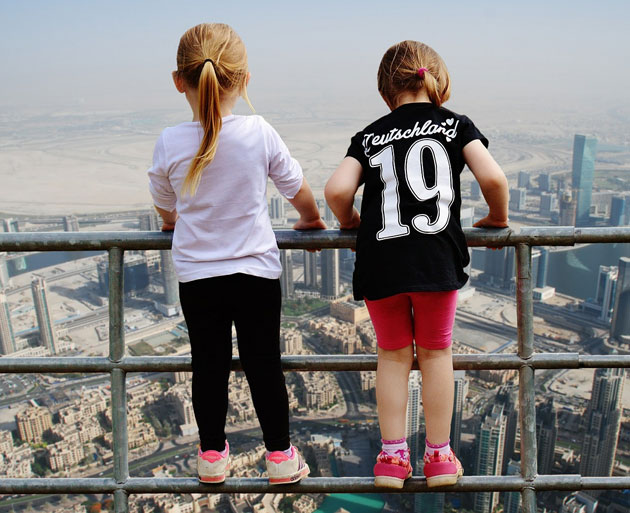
x: 391, y: 471
x: 442, y: 470
x: 283, y: 469
x: 212, y: 465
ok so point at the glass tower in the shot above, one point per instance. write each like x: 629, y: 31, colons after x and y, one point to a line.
x: 584, y: 150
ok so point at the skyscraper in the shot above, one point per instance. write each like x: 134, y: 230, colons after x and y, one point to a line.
x: 620, y: 327
x: 506, y: 396
x: 459, y: 399
x: 567, y: 208
x: 499, y: 267
x: 10, y: 225
x: 7, y: 338
x: 71, y: 223
x: 149, y: 222
x: 475, y: 190
x: 548, y: 202
x: 583, y: 169
x: 489, y: 459
x: 310, y: 269
x: 546, y: 433
x: 617, y: 211
x: 169, y: 281
x: 518, y: 197
x: 523, y: 179
x: 544, y: 182
x: 606, y: 288
x: 414, y: 420
x: 330, y: 273
x: 512, y: 500
x: 603, y: 421
x: 5, y: 280
x: 286, y: 279
x: 47, y: 333
x: 276, y: 210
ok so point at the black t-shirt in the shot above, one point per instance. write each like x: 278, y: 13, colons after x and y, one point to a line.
x: 410, y: 238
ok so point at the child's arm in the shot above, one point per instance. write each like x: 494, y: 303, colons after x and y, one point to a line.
x: 168, y: 218
x: 304, y: 203
x: 492, y: 181
x: 340, y: 191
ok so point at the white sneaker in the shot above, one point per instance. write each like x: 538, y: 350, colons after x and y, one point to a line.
x: 212, y: 465
x: 283, y: 469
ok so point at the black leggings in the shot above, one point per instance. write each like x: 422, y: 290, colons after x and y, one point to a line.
x: 210, y: 306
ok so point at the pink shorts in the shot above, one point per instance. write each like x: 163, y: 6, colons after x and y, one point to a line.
x: 426, y: 317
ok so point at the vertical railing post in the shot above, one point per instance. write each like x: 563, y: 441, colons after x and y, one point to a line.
x: 526, y: 390
x: 118, y: 378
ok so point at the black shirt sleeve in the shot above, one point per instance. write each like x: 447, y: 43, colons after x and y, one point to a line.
x: 357, y: 151
x: 470, y: 132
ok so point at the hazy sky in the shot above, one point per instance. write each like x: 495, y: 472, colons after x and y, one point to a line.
x: 119, y: 54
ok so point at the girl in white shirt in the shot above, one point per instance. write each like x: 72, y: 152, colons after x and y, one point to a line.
x: 208, y: 182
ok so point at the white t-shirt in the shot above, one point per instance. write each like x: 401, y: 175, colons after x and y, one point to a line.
x: 224, y: 228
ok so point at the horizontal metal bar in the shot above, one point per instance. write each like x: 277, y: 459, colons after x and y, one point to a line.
x: 308, y: 363
x: 308, y: 485
x: 293, y: 239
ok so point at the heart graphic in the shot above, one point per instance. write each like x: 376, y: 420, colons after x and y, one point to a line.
x: 449, y: 121
x: 448, y: 139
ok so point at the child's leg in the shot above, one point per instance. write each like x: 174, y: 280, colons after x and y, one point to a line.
x: 258, y: 330
x: 392, y: 322
x: 210, y: 330
x: 434, y: 314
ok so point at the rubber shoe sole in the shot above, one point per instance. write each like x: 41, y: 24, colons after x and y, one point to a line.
x: 293, y: 478
x: 215, y: 479
x: 444, y: 479
x: 385, y: 475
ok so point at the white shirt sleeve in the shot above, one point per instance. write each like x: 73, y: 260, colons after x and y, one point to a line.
x: 159, y: 183
x: 284, y: 170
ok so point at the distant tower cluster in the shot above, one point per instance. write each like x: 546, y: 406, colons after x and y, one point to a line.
x: 620, y: 326
x: 71, y: 223
x: 330, y: 274
x: 149, y: 222
x: 7, y: 337
x: 286, y: 278
x: 489, y: 460
x: 499, y: 268
x: 546, y: 435
x: 310, y: 270
x: 47, y: 333
x: 603, y: 421
x: 583, y: 169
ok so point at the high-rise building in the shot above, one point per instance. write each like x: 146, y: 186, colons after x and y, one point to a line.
x: 428, y: 502
x: 5, y: 279
x: 583, y: 169
x: 330, y: 273
x: 10, y: 225
x: 310, y: 269
x: 506, y: 396
x: 136, y: 274
x: 523, y: 179
x: 149, y: 222
x: 499, y: 268
x: 459, y: 400
x: 617, y: 211
x: 546, y: 433
x: 518, y: 197
x: 7, y: 337
x: 620, y: 326
x: 286, y: 279
x: 32, y: 423
x: 548, y: 202
x: 329, y: 216
x: 603, y: 421
x: 276, y: 210
x: 170, y: 306
x: 579, y: 502
x: 47, y: 333
x: 543, y: 266
x: 489, y: 458
x: 414, y: 418
x: 475, y: 190
x: 606, y: 288
x: 70, y: 223
x: 567, y: 209
x: 544, y: 182
x: 512, y: 500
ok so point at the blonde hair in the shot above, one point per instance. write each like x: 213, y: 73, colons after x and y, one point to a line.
x: 398, y: 73
x: 211, y: 58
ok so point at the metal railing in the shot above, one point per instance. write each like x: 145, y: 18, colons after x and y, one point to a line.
x: 118, y: 365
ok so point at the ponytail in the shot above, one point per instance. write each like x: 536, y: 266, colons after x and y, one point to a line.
x: 210, y: 119
x: 212, y: 59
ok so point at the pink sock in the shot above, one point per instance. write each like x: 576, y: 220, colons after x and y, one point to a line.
x: 396, y: 448
x: 444, y: 448
x: 288, y: 452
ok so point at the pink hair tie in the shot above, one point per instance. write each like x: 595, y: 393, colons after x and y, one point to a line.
x: 421, y: 72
